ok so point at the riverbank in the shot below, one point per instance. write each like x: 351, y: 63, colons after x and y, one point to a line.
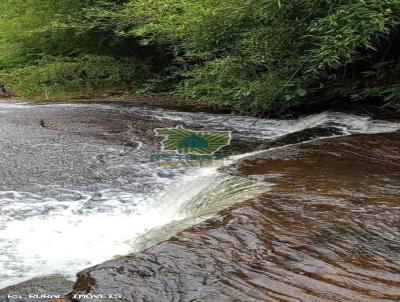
x: 162, y: 101
x: 371, y: 108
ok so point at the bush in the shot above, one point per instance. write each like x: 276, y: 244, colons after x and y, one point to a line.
x: 265, y: 55
x: 253, y: 55
x: 59, y: 77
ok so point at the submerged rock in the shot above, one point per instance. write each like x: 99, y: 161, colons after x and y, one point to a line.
x: 328, y: 231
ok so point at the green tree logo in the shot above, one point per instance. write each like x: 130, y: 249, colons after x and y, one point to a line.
x: 184, y: 141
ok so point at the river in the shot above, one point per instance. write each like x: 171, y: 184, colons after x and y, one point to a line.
x: 78, y: 187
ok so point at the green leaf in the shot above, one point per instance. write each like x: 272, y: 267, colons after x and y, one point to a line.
x: 301, y: 92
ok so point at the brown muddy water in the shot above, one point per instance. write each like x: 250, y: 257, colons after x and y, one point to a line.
x: 310, y: 219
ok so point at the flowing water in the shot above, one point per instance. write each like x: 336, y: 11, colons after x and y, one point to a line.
x: 327, y: 230
x: 77, y: 186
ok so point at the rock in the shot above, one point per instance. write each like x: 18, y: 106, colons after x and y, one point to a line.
x: 55, y: 287
x: 328, y: 231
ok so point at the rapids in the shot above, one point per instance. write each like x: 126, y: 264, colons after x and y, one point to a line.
x: 77, y: 186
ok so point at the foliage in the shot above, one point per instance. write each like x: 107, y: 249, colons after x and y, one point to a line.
x: 57, y: 77
x: 259, y: 55
x: 256, y: 56
x: 348, y: 28
x: 389, y: 93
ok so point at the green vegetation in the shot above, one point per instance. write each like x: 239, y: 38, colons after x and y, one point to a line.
x: 256, y: 56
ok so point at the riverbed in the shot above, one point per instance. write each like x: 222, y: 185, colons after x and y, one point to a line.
x: 79, y: 187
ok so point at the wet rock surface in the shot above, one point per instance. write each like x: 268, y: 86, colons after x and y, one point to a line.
x: 328, y: 231
x: 36, y: 289
x: 78, y: 186
x: 71, y: 145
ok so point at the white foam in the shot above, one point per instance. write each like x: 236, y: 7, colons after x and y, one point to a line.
x: 63, y: 236
x: 348, y: 123
x: 250, y: 127
x: 67, y: 240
